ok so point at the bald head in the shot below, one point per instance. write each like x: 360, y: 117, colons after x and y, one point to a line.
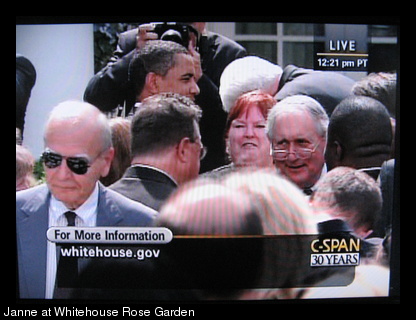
x: 76, y: 117
x: 79, y: 131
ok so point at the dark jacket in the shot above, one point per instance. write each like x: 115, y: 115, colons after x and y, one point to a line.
x: 146, y: 185
x: 328, y: 88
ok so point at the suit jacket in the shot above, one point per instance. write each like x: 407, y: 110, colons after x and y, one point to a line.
x: 328, y: 88
x: 146, y: 185
x: 32, y: 216
x: 111, y: 87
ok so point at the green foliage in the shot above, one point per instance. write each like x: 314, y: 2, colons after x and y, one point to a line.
x: 105, y: 41
x: 39, y: 172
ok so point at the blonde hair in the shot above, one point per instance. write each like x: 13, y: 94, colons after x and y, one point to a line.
x: 283, y: 207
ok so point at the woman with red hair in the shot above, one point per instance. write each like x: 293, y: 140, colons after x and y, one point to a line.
x: 247, y: 144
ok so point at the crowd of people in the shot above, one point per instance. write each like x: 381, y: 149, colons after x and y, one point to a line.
x: 215, y: 143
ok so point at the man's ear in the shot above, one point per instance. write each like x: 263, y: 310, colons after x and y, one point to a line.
x: 107, y: 157
x: 339, y: 151
x: 152, y: 83
x: 334, y: 154
x: 183, y: 149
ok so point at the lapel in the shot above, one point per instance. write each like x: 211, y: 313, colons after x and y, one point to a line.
x: 32, y: 225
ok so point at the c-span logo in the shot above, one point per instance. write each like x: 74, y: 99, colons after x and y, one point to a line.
x: 335, y: 252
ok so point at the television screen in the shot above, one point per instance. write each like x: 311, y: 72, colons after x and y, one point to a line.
x: 267, y: 153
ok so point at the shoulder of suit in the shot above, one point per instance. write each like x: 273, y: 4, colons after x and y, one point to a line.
x: 126, y: 203
x: 40, y: 191
x: 31, y: 200
x: 218, y: 39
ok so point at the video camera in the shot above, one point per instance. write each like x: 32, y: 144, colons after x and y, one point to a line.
x: 176, y: 32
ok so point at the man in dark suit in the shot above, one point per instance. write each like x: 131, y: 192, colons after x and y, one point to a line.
x: 166, y: 149
x: 78, y: 152
x: 328, y: 88
x: 111, y: 87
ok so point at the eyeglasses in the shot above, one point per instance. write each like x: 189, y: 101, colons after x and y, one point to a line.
x: 78, y: 165
x: 203, y: 152
x: 300, y: 153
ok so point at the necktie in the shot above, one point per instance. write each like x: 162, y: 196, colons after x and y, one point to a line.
x: 307, y: 191
x: 67, y: 271
x: 70, y: 217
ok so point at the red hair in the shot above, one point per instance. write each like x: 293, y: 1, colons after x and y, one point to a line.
x: 260, y: 99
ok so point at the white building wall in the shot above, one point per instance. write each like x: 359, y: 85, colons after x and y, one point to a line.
x: 63, y: 56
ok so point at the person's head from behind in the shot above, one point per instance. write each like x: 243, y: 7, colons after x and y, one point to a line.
x: 348, y: 194
x: 162, y: 66
x: 283, y: 210
x: 165, y: 130
x: 247, y: 74
x: 78, y: 151
x: 283, y: 207
x: 245, y: 130
x: 359, y: 134
x: 297, y: 128
x: 218, y: 222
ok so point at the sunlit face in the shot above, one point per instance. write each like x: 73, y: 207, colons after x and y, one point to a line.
x: 181, y: 78
x: 293, y: 131
x: 70, y: 188
x: 248, y: 144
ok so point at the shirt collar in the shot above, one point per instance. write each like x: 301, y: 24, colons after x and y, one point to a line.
x: 86, y: 212
x: 156, y: 169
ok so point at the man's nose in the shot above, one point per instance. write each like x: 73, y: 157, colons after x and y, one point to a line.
x: 291, y: 155
x: 63, y: 170
x: 194, y: 90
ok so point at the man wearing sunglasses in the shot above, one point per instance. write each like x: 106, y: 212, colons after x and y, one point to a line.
x: 78, y: 151
x: 297, y: 127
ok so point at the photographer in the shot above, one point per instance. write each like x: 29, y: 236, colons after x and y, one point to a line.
x: 111, y: 87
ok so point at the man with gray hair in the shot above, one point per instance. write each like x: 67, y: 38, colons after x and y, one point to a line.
x: 78, y: 151
x: 297, y: 128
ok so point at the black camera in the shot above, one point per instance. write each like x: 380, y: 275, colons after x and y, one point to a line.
x: 175, y: 31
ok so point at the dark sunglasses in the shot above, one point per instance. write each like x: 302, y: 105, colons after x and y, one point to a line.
x: 78, y: 165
